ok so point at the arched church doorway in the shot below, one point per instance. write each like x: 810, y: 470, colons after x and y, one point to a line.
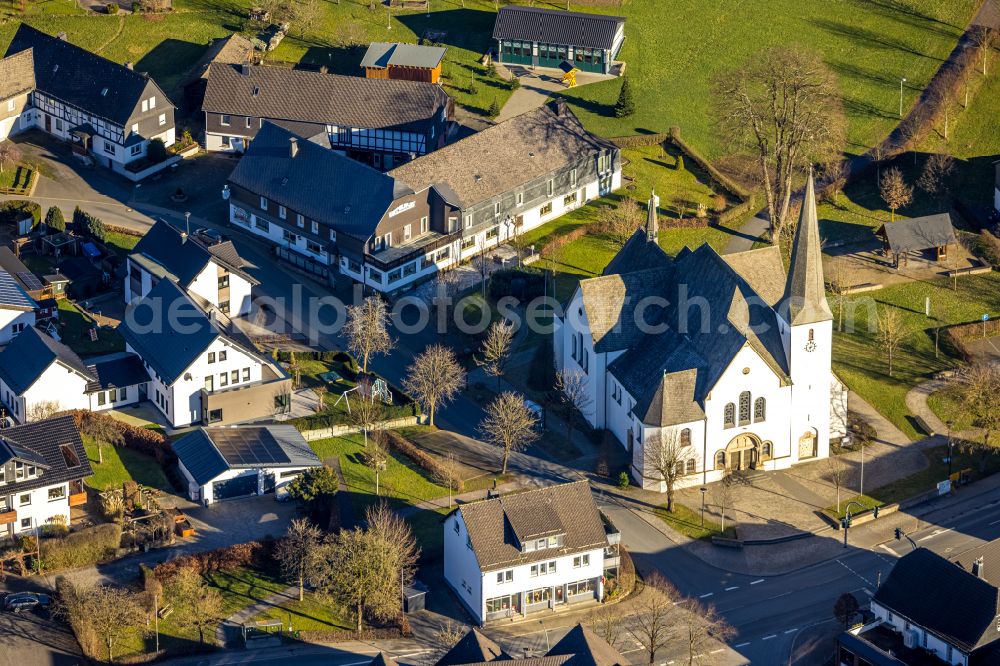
x: 743, y: 452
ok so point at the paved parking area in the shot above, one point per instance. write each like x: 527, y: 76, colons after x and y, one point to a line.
x: 985, y: 349
x: 34, y: 638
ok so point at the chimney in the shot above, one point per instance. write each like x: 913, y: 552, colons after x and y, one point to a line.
x: 245, y: 69
x: 293, y: 146
x: 129, y: 65
x: 978, y: 569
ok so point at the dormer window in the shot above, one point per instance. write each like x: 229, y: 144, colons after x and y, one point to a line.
x: 104, y: 92
x: 69, y: 455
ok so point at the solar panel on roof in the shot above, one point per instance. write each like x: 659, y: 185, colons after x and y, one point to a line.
x: 248, y: 447
x: 30, y: 281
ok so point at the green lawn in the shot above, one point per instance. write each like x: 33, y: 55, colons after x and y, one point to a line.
x: 74, y: 329
x: 123, y: 464
x: 688, y: 522
x: 863, y: 366
x: 121, y: 244
x: 16, y: 177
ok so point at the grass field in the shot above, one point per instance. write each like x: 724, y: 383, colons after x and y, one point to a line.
x: 688, y: 522
x: 74, y: 329
x: 870, y: 45
x: 17, y: 177
x: 122, y: 464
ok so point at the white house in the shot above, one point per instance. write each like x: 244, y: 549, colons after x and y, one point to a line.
x: 521, y: 553
x: 202, y: 368
x: 105, y: 110
x: 711, y: 363
x: 17, y: 309
x: 215, y: 273
x: 42, y: 467
x: 239, y: 461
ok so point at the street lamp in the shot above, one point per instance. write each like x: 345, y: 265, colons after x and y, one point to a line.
x: 951, y: 448
x: 901, y: 82
x: 187, y: 222
x: 703, y: 491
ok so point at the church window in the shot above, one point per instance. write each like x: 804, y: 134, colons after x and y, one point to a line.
x: 765, y: 450
x: 730, y: 415
x: 574, y: 348
x: 811, y: 335
x: 759, y: 410
x: 720, y: 460
x: 691, y: 466
x: 686, y: 437
x: 745, y: 408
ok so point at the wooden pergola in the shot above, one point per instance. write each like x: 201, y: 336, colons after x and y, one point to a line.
x: 919, y: 234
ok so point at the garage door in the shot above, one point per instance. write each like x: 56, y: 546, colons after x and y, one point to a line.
x: 241, y: 486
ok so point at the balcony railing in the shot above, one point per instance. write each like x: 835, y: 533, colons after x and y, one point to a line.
x: 8, y: 517
x: 76, y: 499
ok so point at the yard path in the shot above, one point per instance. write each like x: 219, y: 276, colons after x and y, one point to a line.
x: 118, y: 32
x: 747, y: 235
x: 916, y: 402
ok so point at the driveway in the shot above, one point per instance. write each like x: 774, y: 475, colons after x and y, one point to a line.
x: 537, y: 85
x: 35, y: 639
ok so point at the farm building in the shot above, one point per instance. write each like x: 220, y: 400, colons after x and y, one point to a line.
x: 407, y: 62
x: 546, y: 38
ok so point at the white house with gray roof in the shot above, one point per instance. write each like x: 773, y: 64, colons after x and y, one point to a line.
x: 17, y: 309
x: 709, y: 363
x: 513, y: 555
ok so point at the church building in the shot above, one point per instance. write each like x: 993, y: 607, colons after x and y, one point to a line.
x: 708, y: 363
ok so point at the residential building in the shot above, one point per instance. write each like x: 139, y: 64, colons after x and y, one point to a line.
x: 202, y: 368
x: 579, y: 647
x: 240, y: 461
x: 378, y: 121
x: 547, y: 37
x: 406, y: 62
x: 717, y: 363
x: 42, y: 468
x: 17, y: 309
x: 931, y: 610
x: 105, y: 110
x: 40, y: 375
x: 391, y: 230
x: 27, y: 280
x: 216, y: 273
x: 232, y: 50
x: 522, y: 553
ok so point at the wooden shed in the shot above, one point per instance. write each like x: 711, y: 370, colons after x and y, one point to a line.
x: 407, y: 62
x: 902, y: 238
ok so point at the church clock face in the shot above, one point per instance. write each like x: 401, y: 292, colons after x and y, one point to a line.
x: 811, y: 346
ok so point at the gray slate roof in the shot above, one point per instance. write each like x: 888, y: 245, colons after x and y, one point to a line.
x: 638, y: 254
x: 118, y: 370
x: 568, y: 509
x: 474, y: 647
x: 208, y: 452
x: 579, y: 647
x: 938, y: 595
x: 383, y: 54
x: 168, y: 351
x: 557, y: 27
x: 330, y: 99
x: 183, y: 259
x: 805, y: 291
x: 77, y: 76
x: 44, y: 439
x: 480, y: 166
x: 763, y: 270
x: 13, y: 296
x: 30, y: 354
x: 17, y: 75
x: 308, y: 183
x: 919, y: 233
x: 587, y: 648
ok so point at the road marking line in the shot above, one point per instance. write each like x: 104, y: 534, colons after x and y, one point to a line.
x: 792, y: 630
x: 934, y: 534
x: 894, y: 553
x: 739, y: 645
x: 869, y: 592
x: 706, y: 595
x: 767, y: 638
x: 734, y: 587
x: 759, y: 580
x: 867, y: 582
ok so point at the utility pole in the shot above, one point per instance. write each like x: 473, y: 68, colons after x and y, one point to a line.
x: 156, y: 620
x: 901, y: 82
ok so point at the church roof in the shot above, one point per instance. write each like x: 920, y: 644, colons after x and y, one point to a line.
x: 805, y: 291
x: 642, y: 250
x: 473, y: 648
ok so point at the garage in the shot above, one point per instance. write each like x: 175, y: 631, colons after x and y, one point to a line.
x: 241, y: 486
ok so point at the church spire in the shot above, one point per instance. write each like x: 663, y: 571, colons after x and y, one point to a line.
x: 652, y: 226
x: 805, y: 291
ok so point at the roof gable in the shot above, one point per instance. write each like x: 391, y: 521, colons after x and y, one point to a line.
x: 182, y: 257
x: 43, y: 441
x: 31, y: 354
x: 473, y: 648
x: 17, y: 74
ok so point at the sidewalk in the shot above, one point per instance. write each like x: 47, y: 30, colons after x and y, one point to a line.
x: 916, y: 402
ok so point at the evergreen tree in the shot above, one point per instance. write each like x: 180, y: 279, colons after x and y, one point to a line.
x: 494, y: 109
x: 625, y: 106
x: 54, y: 219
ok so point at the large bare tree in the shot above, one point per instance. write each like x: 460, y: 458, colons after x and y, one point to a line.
x: 112, y: 613
x: 199, y: 605
x: 434, y: 378
x: 891, y: 330
x: 608, y: 622
x: 620, y: 222
x: 298, y: 551
x: 895, y: 191
x: 367, y: 329
x: 572, y: 398
x: 783, y: 105
x: 984, y: 38
x: 656, y: 615
x: 702, y: 628
x: 978, y: 389
x: 935, y: 179
x: 667, y: 457
x: 509, y: 425
x: 496, y: 348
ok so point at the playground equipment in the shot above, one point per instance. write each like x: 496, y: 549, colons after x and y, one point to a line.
x: 369, y: 386
x: 569, y: 74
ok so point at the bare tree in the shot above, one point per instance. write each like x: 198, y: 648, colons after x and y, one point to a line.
x: 104, y: 431
x: 572, y: 398
x: 783, y: 104
x: 10, y: 153
x: 496, y: 348
x: 666, y: 456
x: 446, y: 637
x: 723, y: 494
x: 112, y: 613
x: 199, y: 605
x: 509, y: 425
x: 434, y: 378
x: 620, y: 222
x: 890, y: 332
x: 367, y: 330
x: 837, y: 473
x: 297, y: 552
x: 307, y: 12
x: 376, y: 455
x: 608, y: 622
x: 845, y: 608
x: 701, y: 628
x: 840, y: 282
x: 321, y: 392
x: 895, y: 191
x: 984, y: 38
x: 39, y: 411
x: 936, y: 176
x: 655, y: 615
x: 978, y: 388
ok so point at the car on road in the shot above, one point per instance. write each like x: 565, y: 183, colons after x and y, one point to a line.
x: 16, y: 602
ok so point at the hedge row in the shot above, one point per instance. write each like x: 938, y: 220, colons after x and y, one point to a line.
x: 150, y: 442
x: 325, y: 420
x: 325, y: 636
x: 84, y: 547
x: 721, y: 178
x: 523, y: 283
x: 228, y: 558
x: 12, y: 211
x: 738, y: 211
x: 639, y: 140
x: 423, y: 459
x: 90, y: 225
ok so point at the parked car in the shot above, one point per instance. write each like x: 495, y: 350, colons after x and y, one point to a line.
x: 20, y: 601
x: 208, y: 236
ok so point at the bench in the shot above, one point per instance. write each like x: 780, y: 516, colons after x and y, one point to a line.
x: 862, y: 288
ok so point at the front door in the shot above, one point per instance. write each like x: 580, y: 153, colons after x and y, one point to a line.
x: 48, y: 123
x: 742, y: 453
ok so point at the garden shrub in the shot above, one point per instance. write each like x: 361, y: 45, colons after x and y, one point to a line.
x: 738, y: 211
x: 228, y: 558
x: 54, y: 219
x: 112, y: 9
x: 522, y: 283
x: 423, y: 459
x: 12, y: 211
x: 156, y: 151
x: 84, y: 547
x: 150, y: 442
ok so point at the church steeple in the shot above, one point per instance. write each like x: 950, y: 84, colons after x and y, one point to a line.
x: 805, y: 291
x: 652, y: 226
